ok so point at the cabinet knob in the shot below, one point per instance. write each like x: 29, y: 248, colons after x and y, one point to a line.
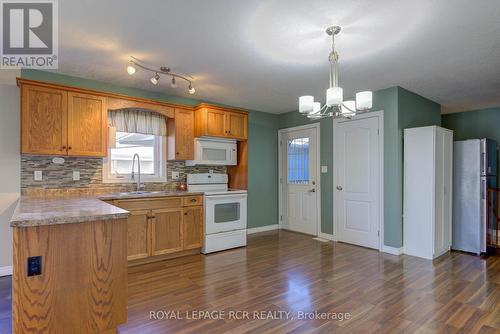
x: 193, y: 200
x: 69, y: 147
x: 185, y: 213
x: 63, y: 148
x: 177, y: 153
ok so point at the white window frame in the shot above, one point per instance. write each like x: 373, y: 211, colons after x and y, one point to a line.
x: 160, y: 151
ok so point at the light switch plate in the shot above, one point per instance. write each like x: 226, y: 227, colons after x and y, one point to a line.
x: 76, y: 175
x: 175, y: 175
x: 324, y: 169
x: 38, y: 175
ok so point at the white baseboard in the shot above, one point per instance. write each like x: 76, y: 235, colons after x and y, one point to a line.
x: 263, y: 228
x: 5, y: 271
x: 326, y: 236
x: 392, y: 250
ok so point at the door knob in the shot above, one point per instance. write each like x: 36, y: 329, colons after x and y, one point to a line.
x: 339, y: 187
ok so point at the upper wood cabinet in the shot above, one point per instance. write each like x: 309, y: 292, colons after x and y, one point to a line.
x: 87, y: 125
x: 60, y: 122
x: 180, y: 135
x: 215, y: 121
x: 43, y: 120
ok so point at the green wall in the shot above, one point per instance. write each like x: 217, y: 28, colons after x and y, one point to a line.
x: 262, y: 144
x: 483, y: 123
x: 399, y: 106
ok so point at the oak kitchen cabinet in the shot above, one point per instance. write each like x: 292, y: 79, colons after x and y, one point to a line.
x: 59, y: 122
x: 163, y: 225
x: 215, y: 121
x: 180, y: 135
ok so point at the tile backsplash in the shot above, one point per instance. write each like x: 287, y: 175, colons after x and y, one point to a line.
x: 60, y: 176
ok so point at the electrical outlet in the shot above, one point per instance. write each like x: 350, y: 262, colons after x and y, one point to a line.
x: 211, y: 171
x: 324, y: 169
x: 34, y: 265
x: 175, y: 175
x: 76, y: 175
x: 38, y: 175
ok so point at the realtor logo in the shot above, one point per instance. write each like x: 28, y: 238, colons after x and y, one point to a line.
x: 29, y: 34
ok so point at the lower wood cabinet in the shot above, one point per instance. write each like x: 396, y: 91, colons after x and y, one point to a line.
x: 156, y: 228
x: 166, y: 231
x: 138, y: 235
x: 193, y: 227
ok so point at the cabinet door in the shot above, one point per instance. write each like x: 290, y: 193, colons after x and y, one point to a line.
x: 138, y: 235
x: 193, y: 227
x: 87, y: 125
x: 43, y: 120
x: 215, y: 123
x: 236, y: 125
x: 184, y: 134
x: 166, y: 231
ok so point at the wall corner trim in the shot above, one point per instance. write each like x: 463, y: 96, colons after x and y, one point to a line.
x: 263, y: 228
x: 392, y: 250
x: 5, y: 271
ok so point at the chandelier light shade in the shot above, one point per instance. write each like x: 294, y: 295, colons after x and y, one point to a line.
x: 335, y: 105
x: 334, y: 96
x: 306, y: 104
x: 364, y: 100
x: 159, y: 71
x: 348, y: 106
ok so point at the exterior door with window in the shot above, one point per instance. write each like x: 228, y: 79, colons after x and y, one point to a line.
x: 299, y: 180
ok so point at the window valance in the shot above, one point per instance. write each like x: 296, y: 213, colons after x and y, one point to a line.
x: 138, y: 121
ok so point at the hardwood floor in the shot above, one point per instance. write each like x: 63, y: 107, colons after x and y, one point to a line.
x: 289, y: 272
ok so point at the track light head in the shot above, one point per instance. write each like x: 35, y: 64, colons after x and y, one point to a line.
x: 191, y: 89
x: 173, y: 84
x: 131, y: 69
x: 155, y: 79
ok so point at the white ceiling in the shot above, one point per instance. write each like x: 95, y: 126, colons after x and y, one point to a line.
x: 262, y: 55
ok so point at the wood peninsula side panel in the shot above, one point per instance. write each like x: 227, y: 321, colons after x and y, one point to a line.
x: 83, y: 285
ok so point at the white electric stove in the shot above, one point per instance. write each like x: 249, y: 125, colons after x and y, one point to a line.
x: 225, y: 211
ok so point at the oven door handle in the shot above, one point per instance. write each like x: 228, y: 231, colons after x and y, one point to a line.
x: 231, y: 196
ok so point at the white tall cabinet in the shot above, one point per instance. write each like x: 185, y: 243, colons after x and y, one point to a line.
x: 427, y: 194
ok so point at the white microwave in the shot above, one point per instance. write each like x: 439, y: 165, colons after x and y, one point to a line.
x: 213, y: 151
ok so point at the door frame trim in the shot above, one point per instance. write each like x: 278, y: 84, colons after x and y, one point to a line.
x: 317, y: 127
x: 380, y: 115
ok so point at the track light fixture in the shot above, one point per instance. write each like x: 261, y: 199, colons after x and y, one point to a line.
x: 131, y: 69
x: 135, y: 63
x: 155, y: 79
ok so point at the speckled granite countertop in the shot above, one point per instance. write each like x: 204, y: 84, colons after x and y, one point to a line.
x: 147, y: 194
x: 33, y: 211
x: 37, y: 211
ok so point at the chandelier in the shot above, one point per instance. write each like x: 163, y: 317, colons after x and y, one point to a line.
x: 135, y: 63
x: 335, y: 106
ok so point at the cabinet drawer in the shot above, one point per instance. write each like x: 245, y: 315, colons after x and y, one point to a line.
x: 192, y: 200
x: 150, y: 203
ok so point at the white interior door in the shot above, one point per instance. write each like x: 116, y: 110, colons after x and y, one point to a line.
x: 299, y: 180
x: 357, y: 164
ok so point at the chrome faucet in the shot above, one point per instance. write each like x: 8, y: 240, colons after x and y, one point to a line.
x: 138, y: 181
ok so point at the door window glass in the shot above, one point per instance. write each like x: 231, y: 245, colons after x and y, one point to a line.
x: 298, y: 161
x: 226, y: 212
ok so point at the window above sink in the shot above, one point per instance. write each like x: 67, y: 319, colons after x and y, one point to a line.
x: 117, y: 166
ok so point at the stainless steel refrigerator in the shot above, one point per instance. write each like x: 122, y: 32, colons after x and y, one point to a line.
x: 474, y: 171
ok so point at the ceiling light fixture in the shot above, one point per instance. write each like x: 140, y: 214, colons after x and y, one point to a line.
x: 158, y: 71
x: 155, y: 79
x: 131, y: 69
x: 335, y: 106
